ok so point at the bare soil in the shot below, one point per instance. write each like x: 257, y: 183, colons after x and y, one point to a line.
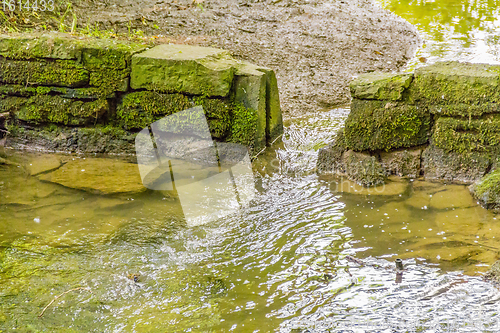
x: 315, y: 47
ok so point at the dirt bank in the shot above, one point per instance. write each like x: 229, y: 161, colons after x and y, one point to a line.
x: 314, y: 46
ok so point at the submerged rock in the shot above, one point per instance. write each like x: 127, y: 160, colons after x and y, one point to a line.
x: 98, y: 175
x: 403, y: 162
x: 487, y: 190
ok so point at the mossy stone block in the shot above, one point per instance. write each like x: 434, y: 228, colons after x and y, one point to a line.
x: 99, y: 54
x: 330, y: 157
x: 62, y: 73
x: 402, y: 162
x: 381, y: 86
x: 487, y: 190
x: 110, y: 80
x: 40, y: 46
x: 465, y: 136
x: 363, y: 168
x: 274, y: 128
x: 219, y: 115
x: 140, y: 109
x: 441, y: 165
x: 380, y: 125
x: 184, y: 69
x: 455, y: 83
x: 77, y: 93
x: 41, y: 109
x: 465, y: 110
x: 250, y: 90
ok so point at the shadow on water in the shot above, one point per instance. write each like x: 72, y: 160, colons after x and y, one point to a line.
x: 466, y: 30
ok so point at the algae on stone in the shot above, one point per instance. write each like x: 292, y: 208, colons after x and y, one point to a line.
x: 330, y: 157
x: 184, y: 69
x: 455, y: 83
x: 62, y: 73
x: 487, y: 190
x: 380, y: 125
x: 363, y: 168
x: 381, y: 86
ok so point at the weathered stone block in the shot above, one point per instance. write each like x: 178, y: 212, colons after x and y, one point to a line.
x: 110, y: 80
x: 330, y: 157
x: 402, y: 162
x: 250, y: 86
x: 140, y: 109
x: 381, y: 86
x: 487, y: 190
x: 77, y: 93
x: 274, y: 128
x: 54, y: 109
x: 465, y: 136
x: 99, y: 54
x: 54, y: 73
x: 465, y: 110
x: 454, y: 167
x: 380, y: 125
x: 455, y: 83
x: 363, y: 168
x: 183, y: 69
x: 40, y: 46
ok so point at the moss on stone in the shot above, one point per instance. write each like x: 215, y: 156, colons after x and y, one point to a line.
x: 137, y: 110
x: 99, y: 54
x: 48, y: 73
x: 466, y: 136
x: 381, y: 86
x: 41, y: 109
x: 76, y: 93
x: 364, y: 169
x: 380, y: 125
x: 487, y: 190
x: 105, y: 139
x: 110, y: 79
x: 243, y: 126
x: 219, y: 115
x: 330, y: 157
x: 455, y: 83
x: 465, y: 110
x: 39, y: 46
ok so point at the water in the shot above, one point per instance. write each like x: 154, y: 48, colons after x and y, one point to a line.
x: 279, y: 265
x: 465, y: 30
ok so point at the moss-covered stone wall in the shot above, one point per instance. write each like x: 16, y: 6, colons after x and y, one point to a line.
x: 441, y: 122
x: 64, y: 93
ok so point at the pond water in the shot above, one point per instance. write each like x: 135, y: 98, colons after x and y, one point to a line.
x: 465, y: 30
x: 282, y: 264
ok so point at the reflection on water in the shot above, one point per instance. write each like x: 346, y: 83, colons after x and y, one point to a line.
x: 465, y: 30
x: 278, y: 265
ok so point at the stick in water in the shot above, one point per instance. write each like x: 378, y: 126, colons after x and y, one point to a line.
x: 64, y: 293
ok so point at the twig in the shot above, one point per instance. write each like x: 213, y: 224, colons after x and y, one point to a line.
x: 3, y: 115
x: 64, y: 293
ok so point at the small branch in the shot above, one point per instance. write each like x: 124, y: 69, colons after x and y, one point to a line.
x: 5, y: 131
x: 64, y: 293
x: 4, y: 115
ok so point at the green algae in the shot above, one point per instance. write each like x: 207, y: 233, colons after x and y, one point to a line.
x: 487, y: 190
x: 380, y: 86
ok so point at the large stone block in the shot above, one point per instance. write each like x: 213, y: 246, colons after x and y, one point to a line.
x: 402, y: 162
x: 455, y: 83
x: 99, y: 54
x: 62, y: 73
x: 183, y: 69
x: 465, y: 136
x: 40, y: 46
x: 380, y: 125
x: 454, y: 167
x: 381, y: 86
x: 274, y: 128
x: 363, y: 168
x: 250, y: 86
x: 41, y: 109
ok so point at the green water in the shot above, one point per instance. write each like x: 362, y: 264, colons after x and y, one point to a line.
x: 465, y: 30
x: 278, y: 265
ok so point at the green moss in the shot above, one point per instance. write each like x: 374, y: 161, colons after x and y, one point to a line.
x: 77, y: 93
x: 244, y: 125
x: 381, y: 86
x: 51, y: 73
x: 99, y: 54
x: 54, y: 109
x: 455, y: 83
x: 379, y: 125
x: 364, y: 169
x: 466, y: 136
x: 487, y: 190
x: 465, y: 110
x: 137, y: 110
x: 110, y: 79
x: 219, y: 113
x: 39, y: 46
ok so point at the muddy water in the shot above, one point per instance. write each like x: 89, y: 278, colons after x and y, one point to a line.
x: 280, y: 264
x: 465, y: 30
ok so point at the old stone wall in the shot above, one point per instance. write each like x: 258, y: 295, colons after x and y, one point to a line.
x: 64, y: 93
x: 441, y: 122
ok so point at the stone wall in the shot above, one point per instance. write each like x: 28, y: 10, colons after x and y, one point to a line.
x: 441, y: 122
x: 64, y: 93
